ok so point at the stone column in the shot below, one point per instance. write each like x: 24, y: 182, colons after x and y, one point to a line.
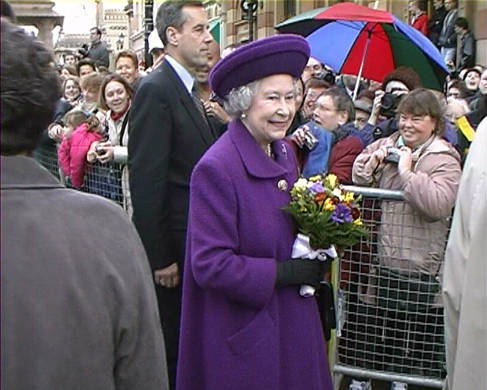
x: 45, y: 27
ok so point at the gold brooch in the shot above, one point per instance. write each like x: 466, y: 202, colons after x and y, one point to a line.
x: 282, y: 185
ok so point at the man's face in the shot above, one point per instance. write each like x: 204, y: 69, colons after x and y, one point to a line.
x: 194, y: 38
x: 437, y: 3
x: 449, y: 4
x: 312, y: 69
x: 361, y: 118
x: 70, y: 59
x: 310, y: 98
x: 85, y: 69
x: 202, y: 72
x: 127, y: 69
x: 94, y: 37
x: 326, y: 114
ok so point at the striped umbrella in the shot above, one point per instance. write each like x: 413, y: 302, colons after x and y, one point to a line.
x: 370, y: 43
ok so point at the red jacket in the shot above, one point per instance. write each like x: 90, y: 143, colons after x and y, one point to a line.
x: 72, y: 153
x: 342, y: 156
x: 421, y: 24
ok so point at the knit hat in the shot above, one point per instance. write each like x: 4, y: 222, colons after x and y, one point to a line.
x: 278, y: 54
x: 405, y: 75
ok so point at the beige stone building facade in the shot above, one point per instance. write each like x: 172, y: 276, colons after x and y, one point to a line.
x: 235, y: 29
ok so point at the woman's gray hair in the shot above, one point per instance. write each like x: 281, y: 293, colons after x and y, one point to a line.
x: 239, y: 99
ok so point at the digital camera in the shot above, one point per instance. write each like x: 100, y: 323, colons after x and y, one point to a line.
x: 389, y: 105
x: 393, y: 155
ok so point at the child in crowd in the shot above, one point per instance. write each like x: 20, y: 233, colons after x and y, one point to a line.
x: 80, y: 131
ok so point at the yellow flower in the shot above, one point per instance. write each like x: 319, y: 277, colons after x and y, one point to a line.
x: 338, y: 193
x: 357, y: 222
x: 315, y: 178
x: 332, y: 180
x: 301, y: 185
x: 329, y: 206
x: 348, y: 197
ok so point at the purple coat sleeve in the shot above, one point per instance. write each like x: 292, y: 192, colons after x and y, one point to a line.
x: 215, y: 259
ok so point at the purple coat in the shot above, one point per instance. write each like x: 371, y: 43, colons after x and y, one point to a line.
x: 237, y: 330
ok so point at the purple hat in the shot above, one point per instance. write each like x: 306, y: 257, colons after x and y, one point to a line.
x: 279, y: 54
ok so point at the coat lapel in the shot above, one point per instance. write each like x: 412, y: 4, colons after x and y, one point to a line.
x: 253, y: 157
x: 187, y: 102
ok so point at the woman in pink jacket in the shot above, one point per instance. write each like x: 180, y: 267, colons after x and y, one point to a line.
x: 405, y: 280
x: 81, y: 130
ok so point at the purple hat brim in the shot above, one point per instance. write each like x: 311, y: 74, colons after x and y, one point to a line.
x: 279, y: 54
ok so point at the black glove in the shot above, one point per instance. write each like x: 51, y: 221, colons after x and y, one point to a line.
x: 299, y: 271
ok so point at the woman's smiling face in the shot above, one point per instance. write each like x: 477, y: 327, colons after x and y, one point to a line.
x: 272, y: 109
x: 116, y: 96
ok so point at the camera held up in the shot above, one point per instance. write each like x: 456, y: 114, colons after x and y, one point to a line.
x: 389, y: 104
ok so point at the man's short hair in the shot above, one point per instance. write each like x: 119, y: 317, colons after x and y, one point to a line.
x: 315, y: 82
x: 170, y: 14
x: 127, y: 54
x: 98, y: 31
x: 462, y: 22
x: 85, y: 61
x: 341, y: 101
x: 7, y: 11
x: 30, y: 88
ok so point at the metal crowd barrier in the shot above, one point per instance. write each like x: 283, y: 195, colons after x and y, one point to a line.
x: 385, y: 329
x: 100, y: 179
x: 389, y: 324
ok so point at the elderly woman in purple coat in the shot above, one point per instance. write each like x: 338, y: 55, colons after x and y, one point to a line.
x: 244, y: 324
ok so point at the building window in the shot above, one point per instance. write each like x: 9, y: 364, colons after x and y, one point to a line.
x: 289, y: 8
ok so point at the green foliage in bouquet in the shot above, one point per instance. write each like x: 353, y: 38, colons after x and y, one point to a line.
x: 326, y: 213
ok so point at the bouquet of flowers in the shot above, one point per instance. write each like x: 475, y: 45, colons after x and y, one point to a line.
x: 326, y: 216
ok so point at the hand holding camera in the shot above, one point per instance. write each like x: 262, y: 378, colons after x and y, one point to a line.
x: 304, y: 138
x: 104, y: 151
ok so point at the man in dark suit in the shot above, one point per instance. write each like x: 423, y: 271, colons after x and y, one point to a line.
x: 168, y: 134
x: 448, y: 38
x: 435, y: 24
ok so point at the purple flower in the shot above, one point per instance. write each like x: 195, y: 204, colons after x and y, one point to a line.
x: 316, y: 187
x: 341, y: 214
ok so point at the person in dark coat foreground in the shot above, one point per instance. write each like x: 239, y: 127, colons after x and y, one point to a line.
x: 244, y: 324
x: 77, y: 303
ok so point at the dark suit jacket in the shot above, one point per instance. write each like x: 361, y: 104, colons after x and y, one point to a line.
x: 435, y: 24
x: 167, y: 138
x: 448, y: 36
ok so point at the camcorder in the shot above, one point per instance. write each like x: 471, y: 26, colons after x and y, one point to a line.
x: 326, y: 75
x: 83, y: 50
x: 310, y: 140
x: 389, y: 105
x: 393, y: 155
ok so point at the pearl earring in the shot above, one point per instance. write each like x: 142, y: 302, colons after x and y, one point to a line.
x: 243, y: 115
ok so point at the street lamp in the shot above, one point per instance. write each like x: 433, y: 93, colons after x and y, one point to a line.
x: 249, y: 7
x: 120, y: 41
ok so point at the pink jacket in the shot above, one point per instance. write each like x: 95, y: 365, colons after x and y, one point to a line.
x: 72, y: 153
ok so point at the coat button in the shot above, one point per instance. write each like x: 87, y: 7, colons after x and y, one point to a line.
x: 282, y: 185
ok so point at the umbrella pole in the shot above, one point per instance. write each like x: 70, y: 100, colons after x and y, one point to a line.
x: 359, y: 76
